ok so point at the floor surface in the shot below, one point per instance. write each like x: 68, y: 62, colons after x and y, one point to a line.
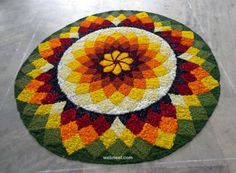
x: 25, y: 23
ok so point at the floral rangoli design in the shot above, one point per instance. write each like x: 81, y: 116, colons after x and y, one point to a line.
x: 118, y: 87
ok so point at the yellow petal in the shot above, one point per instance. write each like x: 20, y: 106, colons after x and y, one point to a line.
x: 117, y: 69
x: 108, y: 57
x: 108, y: 68
x: 127, y: 60
x: 124, y: 66
x: 105, y: 63
x: 122, y: 56
x: 115, y: 54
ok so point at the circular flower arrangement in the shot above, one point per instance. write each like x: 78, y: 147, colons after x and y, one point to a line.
x: 118, y: 87
x: 117, y: 70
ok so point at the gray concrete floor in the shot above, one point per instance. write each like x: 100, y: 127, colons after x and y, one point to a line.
x: 25, y: 23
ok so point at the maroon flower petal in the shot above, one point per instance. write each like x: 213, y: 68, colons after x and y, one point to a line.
x: 179, y: 42
x: 92, y: 24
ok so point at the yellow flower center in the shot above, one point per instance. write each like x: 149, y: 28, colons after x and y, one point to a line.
x: 116, y: 62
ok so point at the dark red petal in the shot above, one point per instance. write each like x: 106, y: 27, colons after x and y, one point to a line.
x: 88, y: 26
x: 68, y: 115
x: 176, y: 41
x: 153, y: 118
x: 44, y: 77
x: 45, y: 88
x: 183, y: 89
x: 50, y: 98
x: 188, y: 66
x: 188, y: 77
x: 56, y: 52
x: 167, y: 110
x: 84, y: 121
x: 101, y: 125
x: 134, y: 21
x: 134, y: 124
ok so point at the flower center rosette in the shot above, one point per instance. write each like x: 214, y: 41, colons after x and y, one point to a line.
x: 117, y: 70
x: 114, y: 84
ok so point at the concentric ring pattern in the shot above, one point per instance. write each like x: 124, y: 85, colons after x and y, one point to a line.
x: 118, y: 87
x: 91, y: 79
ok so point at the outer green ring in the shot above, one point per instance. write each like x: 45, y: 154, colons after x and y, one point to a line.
x: 155, y: 152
